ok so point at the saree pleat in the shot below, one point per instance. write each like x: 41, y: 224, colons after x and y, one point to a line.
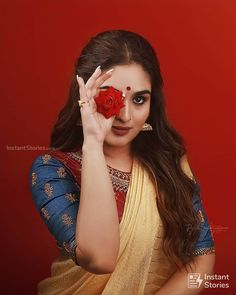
x: 160, y: 268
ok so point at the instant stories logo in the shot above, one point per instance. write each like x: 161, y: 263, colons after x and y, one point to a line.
x: 216, y: 281
x: 194, y: 280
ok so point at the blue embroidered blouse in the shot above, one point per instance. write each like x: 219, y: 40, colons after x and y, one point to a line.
x: 56, y: 193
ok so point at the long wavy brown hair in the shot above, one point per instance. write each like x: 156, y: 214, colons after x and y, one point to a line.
x: 160, y: 150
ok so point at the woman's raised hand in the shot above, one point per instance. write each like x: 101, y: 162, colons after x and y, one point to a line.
x: 95, y: 125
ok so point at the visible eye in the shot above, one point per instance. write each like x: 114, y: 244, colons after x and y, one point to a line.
x: 139, y: 99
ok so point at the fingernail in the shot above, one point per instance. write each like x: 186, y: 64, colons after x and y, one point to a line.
x: 77, y: 76
x: 111, y: 70
x: 98, y: 68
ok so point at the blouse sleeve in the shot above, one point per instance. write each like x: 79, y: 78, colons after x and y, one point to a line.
x: 205, y: 243
x: 56, y: 196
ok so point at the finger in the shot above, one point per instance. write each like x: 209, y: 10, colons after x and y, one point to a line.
x: 93, y: 105
x: 103, y: 78
x: 89, y: 93
x: 93, y: 91
x: 83, y: 102
x: 85, y: 111
x: 93, y: 78
x: 82, y: 89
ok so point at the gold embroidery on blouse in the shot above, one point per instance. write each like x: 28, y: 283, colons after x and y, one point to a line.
x: 204, y: 251
x: 61, y: 172
x: 45, y: 213
x: 67, y: 219
x: 48, y: 189
x: 120, y: 180
x: 71, y: 249
x: 34, y: 178
x: 46, y: 158
x: 70, y: 197
x: 200, y: 216
x: 67, y: 247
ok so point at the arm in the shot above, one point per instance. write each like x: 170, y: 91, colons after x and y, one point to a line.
x: 178, y: 283
x: 84, y: 221
x: 97, y: 232
x: 57, y: 199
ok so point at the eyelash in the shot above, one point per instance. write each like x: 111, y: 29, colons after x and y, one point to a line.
x: 142, y: 97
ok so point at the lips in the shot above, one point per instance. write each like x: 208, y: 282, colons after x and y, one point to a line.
x: 120, y: 130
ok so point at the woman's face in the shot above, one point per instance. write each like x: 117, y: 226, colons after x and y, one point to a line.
x: 136, y: 84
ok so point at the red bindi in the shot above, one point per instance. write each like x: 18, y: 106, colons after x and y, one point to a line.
x: 128, y: 88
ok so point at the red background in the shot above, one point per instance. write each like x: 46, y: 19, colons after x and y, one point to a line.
x: 196, y: 44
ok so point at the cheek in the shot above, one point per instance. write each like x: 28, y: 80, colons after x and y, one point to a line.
x: 141, y: 116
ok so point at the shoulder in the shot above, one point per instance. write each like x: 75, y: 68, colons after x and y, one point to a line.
x: 184, y: 164
x: 46, y: 166
x: 45, y: 160
x: 50, y: 178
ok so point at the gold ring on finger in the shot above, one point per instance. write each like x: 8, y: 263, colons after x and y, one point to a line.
x: 81, y: 103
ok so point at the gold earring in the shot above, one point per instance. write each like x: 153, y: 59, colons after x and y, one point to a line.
x: 147, y: 127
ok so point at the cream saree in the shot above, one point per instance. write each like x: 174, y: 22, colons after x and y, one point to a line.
x: 141, y: 265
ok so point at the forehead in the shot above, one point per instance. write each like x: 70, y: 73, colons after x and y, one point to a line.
x: 131, y: 75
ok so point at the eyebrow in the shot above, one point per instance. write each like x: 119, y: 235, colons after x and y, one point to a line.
x: 136, y: 93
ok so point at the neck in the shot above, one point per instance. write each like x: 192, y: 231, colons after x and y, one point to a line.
x: 118, y: 157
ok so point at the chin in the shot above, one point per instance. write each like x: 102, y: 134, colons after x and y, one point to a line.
x: 117, y: 141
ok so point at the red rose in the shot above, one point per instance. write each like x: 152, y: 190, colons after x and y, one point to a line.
x: 109, y: 102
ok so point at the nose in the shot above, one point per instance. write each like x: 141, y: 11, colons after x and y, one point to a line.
x: 125, y: 113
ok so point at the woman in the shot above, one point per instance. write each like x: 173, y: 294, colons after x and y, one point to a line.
x: 116, y: 191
